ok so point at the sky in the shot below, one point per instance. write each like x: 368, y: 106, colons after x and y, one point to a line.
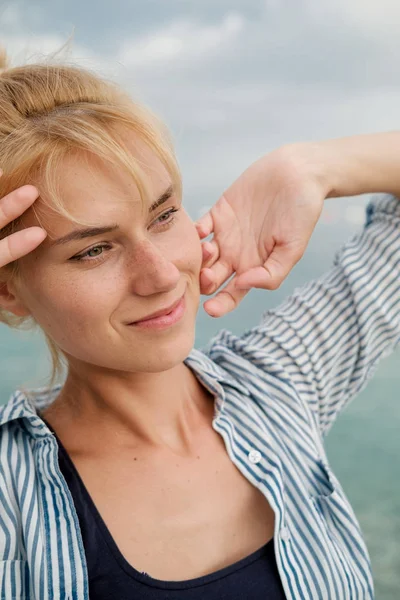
x: 232, y: 79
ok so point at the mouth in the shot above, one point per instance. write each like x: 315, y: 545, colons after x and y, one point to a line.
x: 163, y: 318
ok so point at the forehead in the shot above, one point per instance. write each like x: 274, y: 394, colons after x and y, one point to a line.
x: 86, y: 177
x: 93, y: 190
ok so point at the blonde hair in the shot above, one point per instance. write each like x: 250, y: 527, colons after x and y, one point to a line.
x: 49, y: 110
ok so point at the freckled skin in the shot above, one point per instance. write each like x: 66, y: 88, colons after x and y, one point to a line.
x: 85, y: 306
x: 128, y: 394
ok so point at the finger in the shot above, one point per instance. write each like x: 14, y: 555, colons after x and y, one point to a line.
x: 16, y: 202
x: 225, y: 301
x: 205, y: 225
x: 211, y: 278
x: 271, y: 274
x: 210, y: 253
x: 20, y: 243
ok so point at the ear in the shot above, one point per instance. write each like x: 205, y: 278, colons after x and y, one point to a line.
x: 10, y: 300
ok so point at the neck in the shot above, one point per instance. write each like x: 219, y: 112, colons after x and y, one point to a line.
x: 165, y: 409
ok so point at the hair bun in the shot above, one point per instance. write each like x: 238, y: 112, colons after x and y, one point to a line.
x: 3, y: 60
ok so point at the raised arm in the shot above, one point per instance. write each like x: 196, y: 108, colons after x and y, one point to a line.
x: 329, y: 336
x: 360, y: 164
x: 262, y: 223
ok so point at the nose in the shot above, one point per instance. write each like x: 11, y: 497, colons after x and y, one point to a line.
x: 153, y: 271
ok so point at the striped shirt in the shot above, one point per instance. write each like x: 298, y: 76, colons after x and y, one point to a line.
x: 278, y: 388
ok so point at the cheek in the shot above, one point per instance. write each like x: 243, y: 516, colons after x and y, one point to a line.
x: 67, y: 303
x: 190, y: 248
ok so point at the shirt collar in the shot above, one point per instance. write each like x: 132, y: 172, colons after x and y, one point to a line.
x: 211, y: 361
x: 26, y: 404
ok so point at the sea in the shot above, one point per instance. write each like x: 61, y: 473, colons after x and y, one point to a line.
x: 363, y: 445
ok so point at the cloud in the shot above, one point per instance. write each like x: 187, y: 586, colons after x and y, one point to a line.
x: 182, y: 40
x: 234, y: 79
x: 28, y: 48
x: 26, y: 40
x: 376, y: 18
x: 10, y: 15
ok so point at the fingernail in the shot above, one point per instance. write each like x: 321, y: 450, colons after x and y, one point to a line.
x: 212, y: 309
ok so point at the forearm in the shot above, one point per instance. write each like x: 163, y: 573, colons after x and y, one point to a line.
x: 356, y: 165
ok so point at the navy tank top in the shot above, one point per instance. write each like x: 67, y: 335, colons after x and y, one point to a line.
x: 111, y: 577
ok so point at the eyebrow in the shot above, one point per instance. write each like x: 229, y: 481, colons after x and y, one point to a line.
x: 80, y: 234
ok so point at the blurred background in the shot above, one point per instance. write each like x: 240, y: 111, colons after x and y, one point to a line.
x: 233, y: 80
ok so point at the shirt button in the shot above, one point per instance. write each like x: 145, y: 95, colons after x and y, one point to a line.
x: 254, y: 456
x: 285, y: 535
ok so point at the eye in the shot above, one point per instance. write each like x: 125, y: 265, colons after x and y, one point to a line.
x: 95, y: 250
x: 93, y: 253
x: 96, y: 253
x: 167, y: 217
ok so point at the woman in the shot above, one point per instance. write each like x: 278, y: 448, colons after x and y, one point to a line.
x: 155, y: 470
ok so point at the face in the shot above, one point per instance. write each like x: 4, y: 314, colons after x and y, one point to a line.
x: 85, y: 293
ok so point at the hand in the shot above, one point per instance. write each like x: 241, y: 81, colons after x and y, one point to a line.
x: 261, y: 226
x: 22, y: 242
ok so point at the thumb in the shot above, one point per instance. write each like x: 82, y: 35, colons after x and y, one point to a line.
x: 271, y: 274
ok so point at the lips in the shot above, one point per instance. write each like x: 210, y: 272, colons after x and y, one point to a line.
x: 159, y: 313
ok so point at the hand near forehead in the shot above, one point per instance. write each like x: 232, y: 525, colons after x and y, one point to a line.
x: 261, y: 226
x: 22, y: 242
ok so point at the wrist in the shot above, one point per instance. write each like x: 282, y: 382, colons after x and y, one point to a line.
x: 360, y: 164
x: 315, y: 162
x: 344, y: 166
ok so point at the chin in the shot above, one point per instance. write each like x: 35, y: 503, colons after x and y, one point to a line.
x: 152, y: 355
x: 168, y: 355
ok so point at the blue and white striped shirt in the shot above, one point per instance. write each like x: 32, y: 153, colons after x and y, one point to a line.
x: 278, y: 389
